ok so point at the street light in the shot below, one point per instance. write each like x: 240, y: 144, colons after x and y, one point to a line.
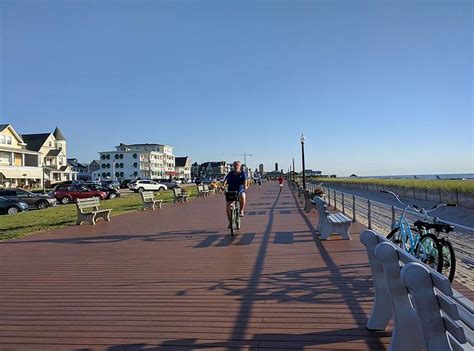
x: 302, y: 139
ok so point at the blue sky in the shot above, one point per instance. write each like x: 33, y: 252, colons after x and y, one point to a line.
x: 377, y: 87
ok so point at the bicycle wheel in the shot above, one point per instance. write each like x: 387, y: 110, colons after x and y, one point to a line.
x: 449, y: 259
x: 428, y: 250
x: 232, y: 220
x: 398, y: 239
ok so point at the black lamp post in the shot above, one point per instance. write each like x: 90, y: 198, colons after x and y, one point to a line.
x: 293, y: 170
x: 302, y: 139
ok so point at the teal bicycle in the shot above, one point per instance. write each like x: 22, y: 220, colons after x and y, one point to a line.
x: 424, y: 246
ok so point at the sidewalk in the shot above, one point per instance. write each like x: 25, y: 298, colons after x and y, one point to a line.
x: 174, y: 279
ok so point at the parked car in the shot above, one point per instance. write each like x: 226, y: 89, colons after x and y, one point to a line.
x: 39, y: 201
x: 146, y: 185
x: 170, y: 184
x: 111, y: 184
x: 111, y: 192
x: 66, y: 194
x: 12, y: 206
x: 124, y: 184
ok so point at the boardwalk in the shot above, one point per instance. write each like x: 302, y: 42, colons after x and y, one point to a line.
x: 175, y: 280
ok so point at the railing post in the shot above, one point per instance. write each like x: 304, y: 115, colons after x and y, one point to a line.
x: 369, y: 214
x: 353, y: 208
x: 329, y: 196
x: 457, y: 197
x: 439, y: 191
x: 335, y: 200
x: 343, y: 209
x: 393, y: 216
x: 414, y: 193
x: 426, y: 194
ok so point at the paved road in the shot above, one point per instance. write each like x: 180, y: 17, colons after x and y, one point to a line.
x: 174, y: 279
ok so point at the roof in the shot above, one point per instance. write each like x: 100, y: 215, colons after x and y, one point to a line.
x: 58, y: 135
x: 180, y: 161
x: 3, y: 127
x: 35, y: 141
x: 53, y: 153
x: 145, y: 144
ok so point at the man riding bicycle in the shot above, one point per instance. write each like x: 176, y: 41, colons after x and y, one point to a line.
x: 236, y: 180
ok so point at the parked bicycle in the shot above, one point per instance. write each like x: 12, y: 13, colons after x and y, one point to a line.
x: 436, y: 227
x: 423, y: 245
x: 233, y: 197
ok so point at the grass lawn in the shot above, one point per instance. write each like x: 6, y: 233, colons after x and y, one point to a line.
x: 34, y: 221
x: 464, y: 186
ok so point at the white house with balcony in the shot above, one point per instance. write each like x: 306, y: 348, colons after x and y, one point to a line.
x: 132, y: 161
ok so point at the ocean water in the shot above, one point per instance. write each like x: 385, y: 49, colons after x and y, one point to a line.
x: 427, y: 176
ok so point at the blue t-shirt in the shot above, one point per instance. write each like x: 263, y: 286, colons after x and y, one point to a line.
x: 236, y: 181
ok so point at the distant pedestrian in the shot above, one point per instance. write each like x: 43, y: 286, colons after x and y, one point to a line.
x: 280, y: 180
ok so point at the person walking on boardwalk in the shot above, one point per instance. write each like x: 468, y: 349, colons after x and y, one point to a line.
x: 236, y: 180
x: 280, y: 180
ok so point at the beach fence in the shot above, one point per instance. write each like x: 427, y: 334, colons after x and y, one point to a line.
x: 440, y: 195
x: 382, y: 218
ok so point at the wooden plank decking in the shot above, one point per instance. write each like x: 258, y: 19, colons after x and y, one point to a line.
x: 174, y: 279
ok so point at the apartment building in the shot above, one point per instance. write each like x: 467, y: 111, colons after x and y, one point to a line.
x: 131, y: 161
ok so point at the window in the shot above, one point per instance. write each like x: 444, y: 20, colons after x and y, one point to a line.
x: 108, y: 165
x: 116, y: 156
x: 135, y: 164
x: 103, y: 174
x: 50, y: 143
x: 9, y: 139
x: 108, y: 157
x: 121, y: 156
x: 103, y: 157
x: 5, y: 158
x: 103, y: 165
x: 135, y: 155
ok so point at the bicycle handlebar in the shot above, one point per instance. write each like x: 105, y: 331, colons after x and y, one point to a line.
x: 415, y: 207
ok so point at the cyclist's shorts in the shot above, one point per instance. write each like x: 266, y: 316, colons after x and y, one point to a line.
x: 232, y: 196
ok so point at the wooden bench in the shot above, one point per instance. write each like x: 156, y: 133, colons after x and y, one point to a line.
x: 179, y: 196
x: 207, y: 190
x: 149, y: 201
x: 201, y: 191
x: 308, y: 204
x: 331, y: 223
x: 391, y: 296
x: 445, y: 322
x: 88, y: 211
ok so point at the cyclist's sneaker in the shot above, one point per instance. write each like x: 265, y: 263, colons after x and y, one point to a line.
x: 241, y: 214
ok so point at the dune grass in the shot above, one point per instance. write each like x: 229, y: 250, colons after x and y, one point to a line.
x: 464, y: 186
x: 35, y: 221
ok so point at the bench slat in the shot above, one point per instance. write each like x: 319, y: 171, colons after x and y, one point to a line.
x: 454, y: 329
x: 448, y: 306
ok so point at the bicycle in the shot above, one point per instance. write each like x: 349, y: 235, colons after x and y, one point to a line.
x: 233, y: 197
x: 429, y: 225
x: 424, y: 246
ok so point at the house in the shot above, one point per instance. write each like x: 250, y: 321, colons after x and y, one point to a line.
x: 132, y: 161
x: 183, y: 167
x: 311, y: 173
x: 19, y: 166
x: 52, y: 148
x: 213, y: 170
x: 82, y: 169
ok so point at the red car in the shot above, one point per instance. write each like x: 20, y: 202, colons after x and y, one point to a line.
x: 66, y: 194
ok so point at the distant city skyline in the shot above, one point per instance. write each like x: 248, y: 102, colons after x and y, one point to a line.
x: 377, y: 88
